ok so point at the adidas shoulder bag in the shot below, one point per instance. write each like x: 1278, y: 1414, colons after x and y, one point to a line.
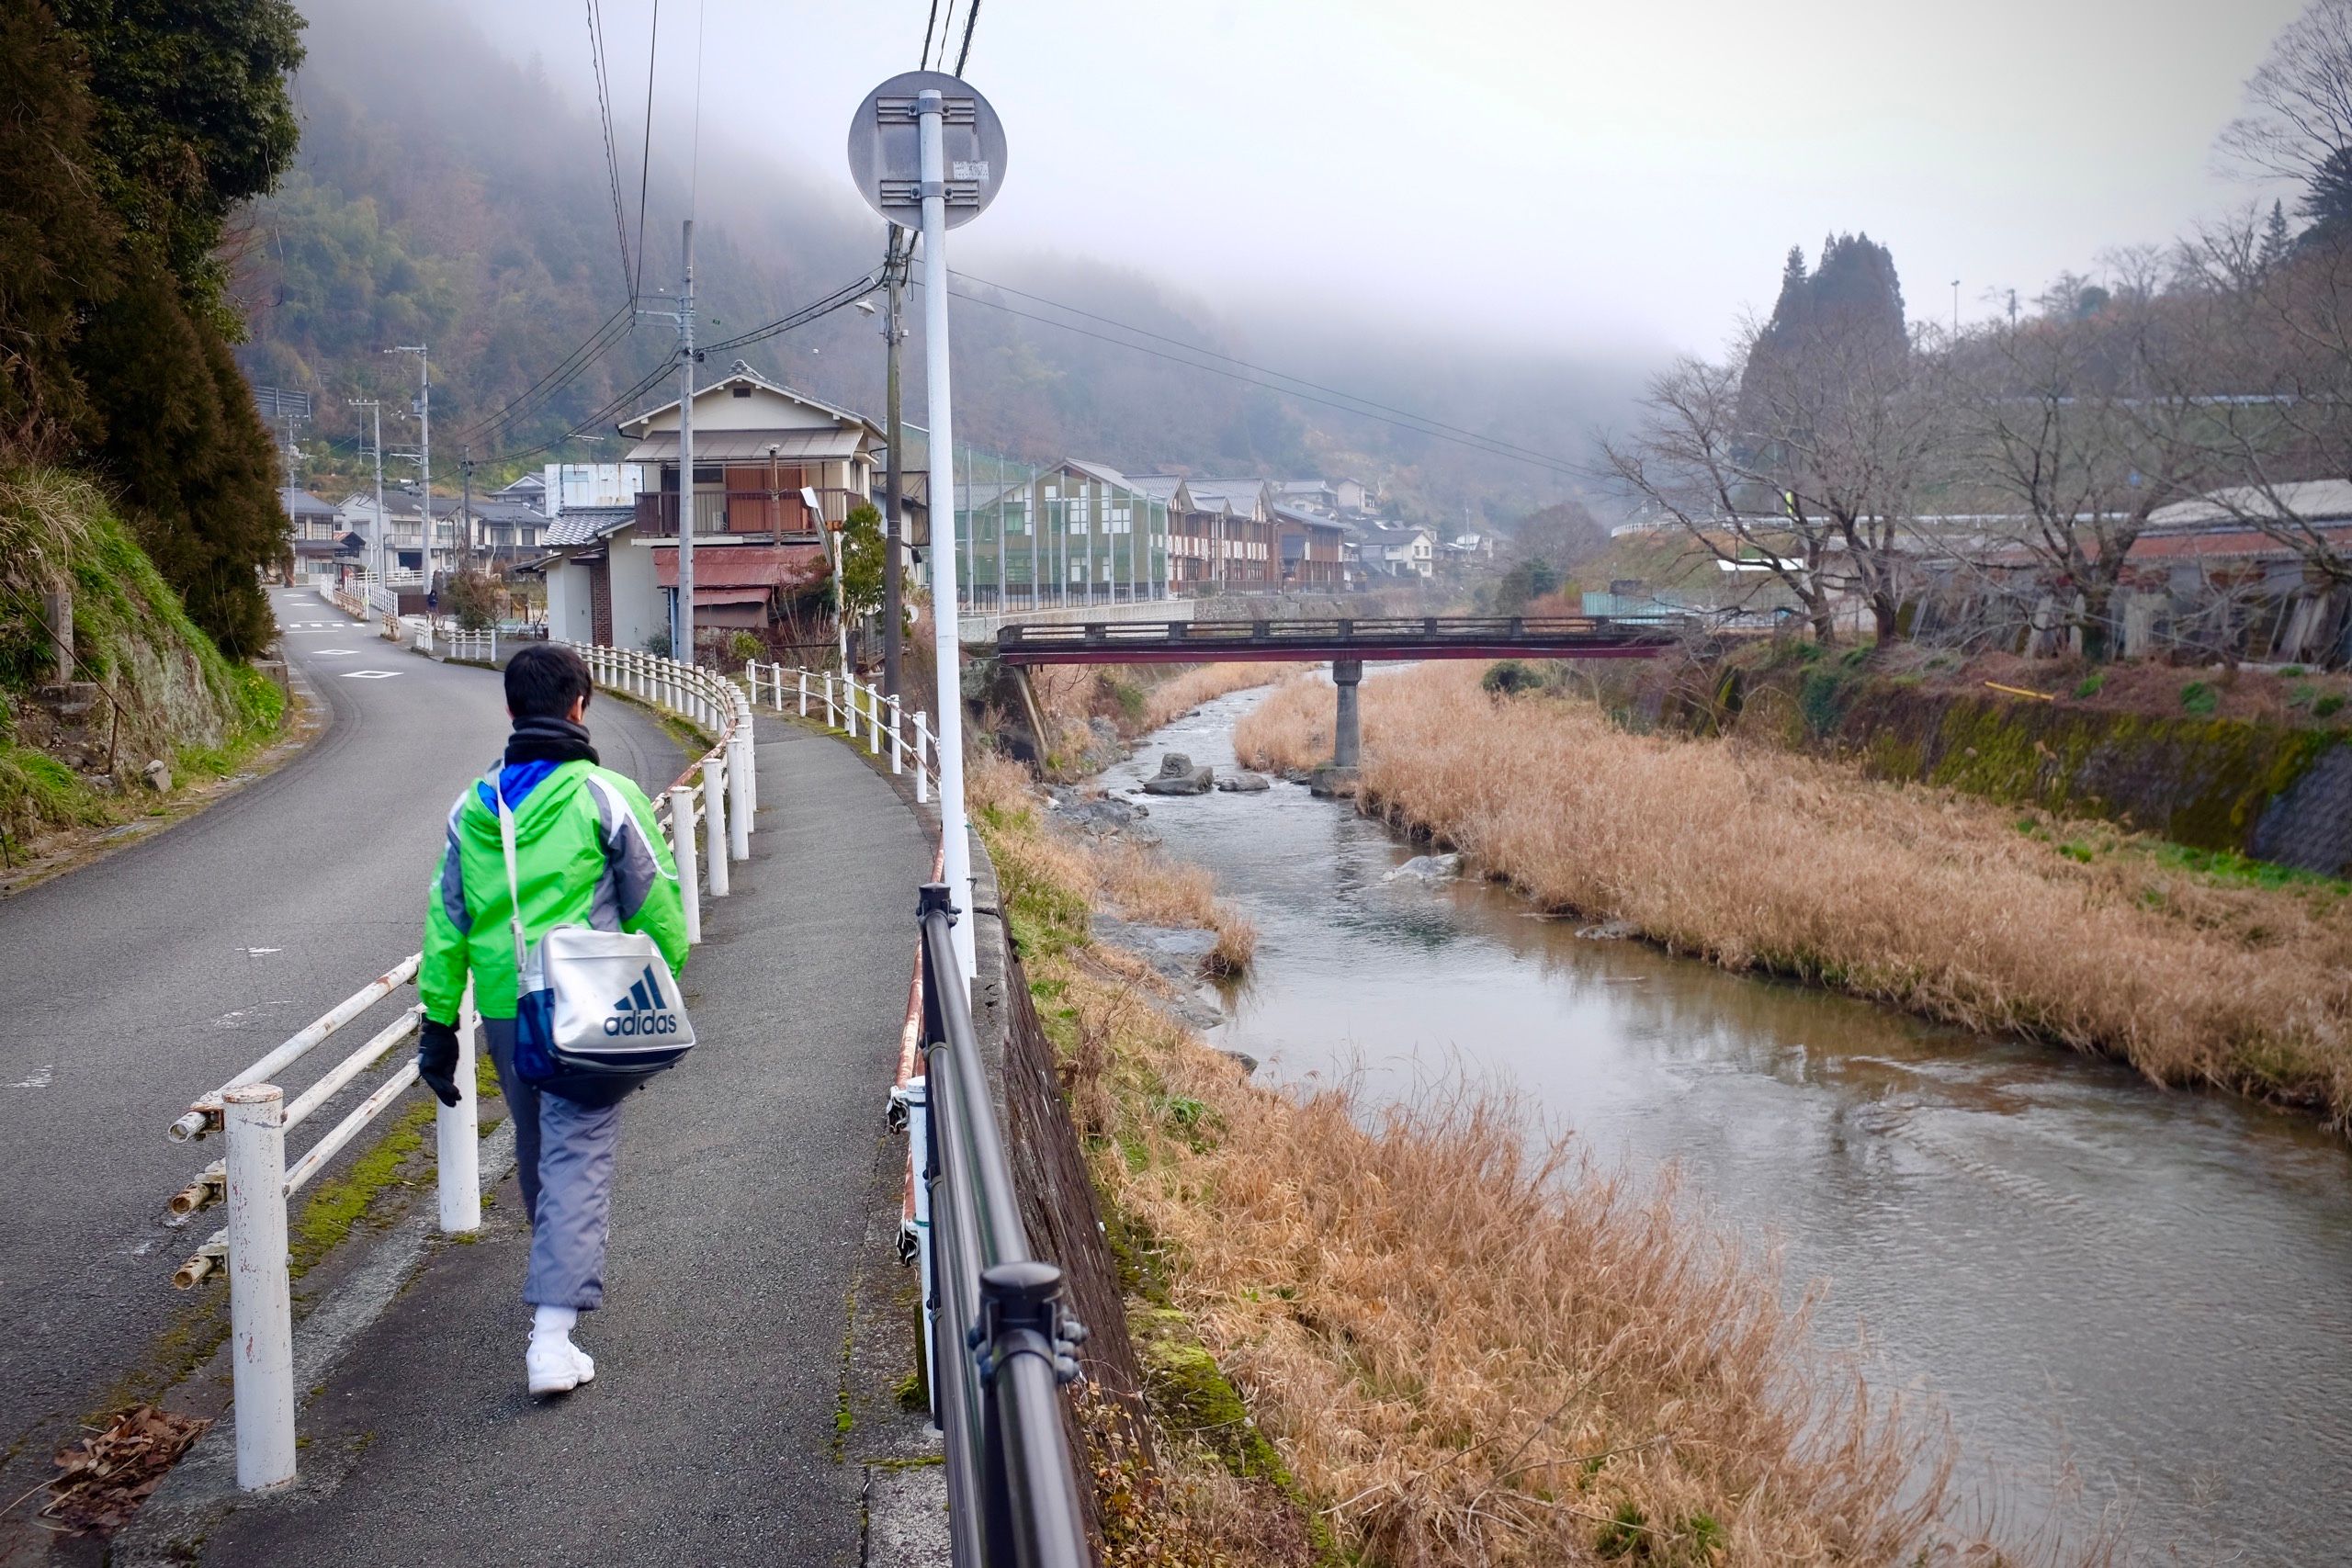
x: 595, y: 1011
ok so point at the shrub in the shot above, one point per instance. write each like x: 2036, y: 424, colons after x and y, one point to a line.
x: 2200, y: 699
x: 2090, y: 685
x: 2329, y: 706
x: 1510, y: 678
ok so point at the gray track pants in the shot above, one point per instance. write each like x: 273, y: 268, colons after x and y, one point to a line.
x: 564, y: 1156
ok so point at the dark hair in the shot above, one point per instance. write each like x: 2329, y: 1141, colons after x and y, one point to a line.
x: 543, y: 679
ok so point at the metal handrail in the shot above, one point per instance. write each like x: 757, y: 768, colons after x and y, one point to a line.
x: 1002, y: 1340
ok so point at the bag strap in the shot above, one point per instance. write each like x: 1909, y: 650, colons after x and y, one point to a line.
x: 514, y: 883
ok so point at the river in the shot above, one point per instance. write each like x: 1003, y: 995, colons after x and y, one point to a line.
x: 2145, y: 1292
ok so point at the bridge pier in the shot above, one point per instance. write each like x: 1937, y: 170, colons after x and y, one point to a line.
x: 1346, y: 732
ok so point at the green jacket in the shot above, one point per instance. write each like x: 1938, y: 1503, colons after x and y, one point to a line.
x: 587, y: 853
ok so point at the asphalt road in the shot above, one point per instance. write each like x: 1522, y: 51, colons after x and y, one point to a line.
x: 135, y: 983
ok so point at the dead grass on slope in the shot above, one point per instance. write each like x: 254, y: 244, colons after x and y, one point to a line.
x: 1941, y: 903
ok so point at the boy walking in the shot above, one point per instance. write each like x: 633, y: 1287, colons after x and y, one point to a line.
x: 587, y: 853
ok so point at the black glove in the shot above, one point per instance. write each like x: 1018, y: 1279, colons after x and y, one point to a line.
x: 436, y: 1060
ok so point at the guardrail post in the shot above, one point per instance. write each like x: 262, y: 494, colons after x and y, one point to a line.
x: 751, y: 760
x: 804, y: 693
x: 917, y: 1094
x: 874, y: 721
x: 682, y: 849
x: 830, y: 722
x: 457, y: 1133
x: 261, y: 1317
x: 752, y: 678
x: 922, y: 767
x: 714, y: 821
x: 897, y: 738
x: 738, y: 780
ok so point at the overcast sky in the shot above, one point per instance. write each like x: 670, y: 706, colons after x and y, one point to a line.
x: 1598, y: 177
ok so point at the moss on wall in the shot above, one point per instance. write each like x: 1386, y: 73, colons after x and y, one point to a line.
x: 2198, y: 781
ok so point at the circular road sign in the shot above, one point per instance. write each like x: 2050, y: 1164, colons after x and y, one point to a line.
x: 885, y: 148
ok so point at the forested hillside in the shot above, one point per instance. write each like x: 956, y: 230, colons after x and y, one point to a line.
x: 478, y: 218
x: 129, y: 135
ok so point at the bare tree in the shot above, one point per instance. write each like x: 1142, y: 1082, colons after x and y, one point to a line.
x: 1691, y: 461
x: 2299, y: 103
x: 1807, y: 462
x: 2075, y: 426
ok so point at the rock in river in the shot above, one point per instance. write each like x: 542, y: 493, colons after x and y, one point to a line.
x: 1426, y: 868
x: 1243, y: 782
x: 1179, y: 775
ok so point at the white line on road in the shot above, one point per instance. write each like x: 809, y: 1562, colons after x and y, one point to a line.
x: 42, y: 1076
x: 369, y: 675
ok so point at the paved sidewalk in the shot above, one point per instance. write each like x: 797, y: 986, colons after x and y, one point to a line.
x: 755, y: 1194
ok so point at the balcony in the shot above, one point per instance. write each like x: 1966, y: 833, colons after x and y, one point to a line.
x: 778, y: 516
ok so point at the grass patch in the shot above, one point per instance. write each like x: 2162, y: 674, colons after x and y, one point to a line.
x: 338, y: 1204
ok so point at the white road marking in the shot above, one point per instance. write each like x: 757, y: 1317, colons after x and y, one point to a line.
x: 336, y: 652
x: 257, y: 952
x: 369, y: 675
x: 42, y: 1076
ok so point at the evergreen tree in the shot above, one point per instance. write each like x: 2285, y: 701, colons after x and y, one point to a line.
x: 193, y: 117
x: 2327, y: 200
x: 2275, y: 241
x: 58, y: 247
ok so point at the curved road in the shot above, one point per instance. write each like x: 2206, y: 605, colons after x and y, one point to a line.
x: 135, y: 983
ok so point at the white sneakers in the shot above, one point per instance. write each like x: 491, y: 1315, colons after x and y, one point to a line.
x: 556, y: 1365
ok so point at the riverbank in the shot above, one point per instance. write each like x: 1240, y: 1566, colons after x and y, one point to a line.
x: 2197, y: 969
x: 1463, y: 1350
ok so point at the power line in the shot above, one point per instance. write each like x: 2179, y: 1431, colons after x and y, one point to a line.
x: 802, y: 317
x: 1435, y: 424
x: 971, y: 16
x: 645, y: 159
x: 840, y: 297
x: 605, y: 118
x: 946, y: 31
x: 1490, y: 445
x: 536, y: 396
x: 930, y: 23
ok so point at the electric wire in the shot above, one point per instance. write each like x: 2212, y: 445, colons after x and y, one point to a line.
x: 605, y: 118
x: 536, y: 396
x: 929, y: 26
x: 1260, y: 369
x: 645, y: 157
x: 971, y: 16
x: 847, y: 293
x: 825, y: 306
x: 1487, y: 444
x: 946, y: 31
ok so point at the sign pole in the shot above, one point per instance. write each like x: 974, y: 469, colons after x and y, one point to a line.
x: 956, y: 849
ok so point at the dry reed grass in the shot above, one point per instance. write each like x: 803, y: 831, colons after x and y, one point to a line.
x: 1467, y: 1352
x: 1173, y: 699
x: 1137, y: 882
x: 1759, y: 858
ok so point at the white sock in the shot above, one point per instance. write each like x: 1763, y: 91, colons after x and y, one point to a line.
x: 553, y: 1321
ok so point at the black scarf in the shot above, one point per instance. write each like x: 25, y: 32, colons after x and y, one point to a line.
x: 549, y: 740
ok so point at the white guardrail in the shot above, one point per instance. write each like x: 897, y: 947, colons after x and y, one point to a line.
x: 852, y: 707
x: 717, y: 794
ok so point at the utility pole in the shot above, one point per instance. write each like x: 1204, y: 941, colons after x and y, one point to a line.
x: 423, y: 452
x: 683, y: 644
x: 894, y: 332
x: 381, y: 547
x: 466, y: 506
x: 681, y: 617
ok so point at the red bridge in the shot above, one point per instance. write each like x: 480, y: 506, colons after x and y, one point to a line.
x: 1421, y: 637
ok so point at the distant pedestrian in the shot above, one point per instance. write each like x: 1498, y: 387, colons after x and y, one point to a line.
x: 586, y: 853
